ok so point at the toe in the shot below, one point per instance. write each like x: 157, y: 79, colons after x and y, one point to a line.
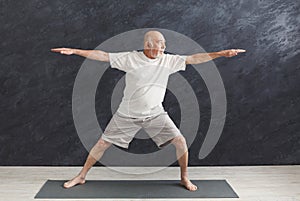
x: 194, y: 188
x: 66, y: 184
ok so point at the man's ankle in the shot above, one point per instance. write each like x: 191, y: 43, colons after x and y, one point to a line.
x: 184, y: 175
x: 81, y: 176
x: 184, y: 178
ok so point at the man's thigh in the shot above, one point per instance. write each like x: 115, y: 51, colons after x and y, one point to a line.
x: 120, y: 130
x: 161, y: 129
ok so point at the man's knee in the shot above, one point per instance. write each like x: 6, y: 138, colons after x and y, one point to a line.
x: 103, y: 144
x: 179, y: 141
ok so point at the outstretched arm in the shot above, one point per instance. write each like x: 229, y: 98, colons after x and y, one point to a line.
x: 90, y: 54
x: 204, y: 57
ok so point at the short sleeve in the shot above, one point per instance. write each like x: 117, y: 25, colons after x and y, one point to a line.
x: 177, y: 63
x: 119, y: 60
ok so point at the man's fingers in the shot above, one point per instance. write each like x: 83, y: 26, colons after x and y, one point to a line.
x: 57, y: 49
x: 233, y: 52
x: 62, y: 50
x: 239, y: 50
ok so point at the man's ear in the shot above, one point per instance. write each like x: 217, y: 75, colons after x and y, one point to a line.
x: 150, y: 44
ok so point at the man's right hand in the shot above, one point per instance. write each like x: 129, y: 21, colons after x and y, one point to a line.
x: 67, y: 51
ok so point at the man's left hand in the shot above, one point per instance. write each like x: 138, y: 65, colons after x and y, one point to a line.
x: 231, y: 52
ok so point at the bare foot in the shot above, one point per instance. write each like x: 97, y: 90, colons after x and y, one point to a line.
x: 188, y: 185
x: 76, y: 180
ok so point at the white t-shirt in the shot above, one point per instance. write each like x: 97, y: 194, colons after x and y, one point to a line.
x: 145, y: 81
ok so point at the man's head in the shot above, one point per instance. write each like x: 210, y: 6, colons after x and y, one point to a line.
x: 154, y: 44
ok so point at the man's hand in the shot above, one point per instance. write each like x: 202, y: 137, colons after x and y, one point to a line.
x: 67, y: 51
x: 231, y: 53
x: 90, y: 54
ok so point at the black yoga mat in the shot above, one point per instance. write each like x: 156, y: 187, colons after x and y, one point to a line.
x: 136, y: 189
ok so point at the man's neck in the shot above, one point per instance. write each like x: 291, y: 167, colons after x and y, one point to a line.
x: 147, y: 54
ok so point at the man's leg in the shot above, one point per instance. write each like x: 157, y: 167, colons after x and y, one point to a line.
x: 95, y: 155
x: 182, y: 156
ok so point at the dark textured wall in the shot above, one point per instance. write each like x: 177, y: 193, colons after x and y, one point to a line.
x: 262, y: 86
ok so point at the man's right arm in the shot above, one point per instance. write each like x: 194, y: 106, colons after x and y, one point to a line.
x: 90, y: 54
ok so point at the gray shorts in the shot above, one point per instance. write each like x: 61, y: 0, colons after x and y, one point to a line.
x: 121, y: 130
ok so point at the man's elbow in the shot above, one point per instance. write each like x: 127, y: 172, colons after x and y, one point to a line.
x: 189, y: 60
x: 193, y: 60
x: 103, y: 56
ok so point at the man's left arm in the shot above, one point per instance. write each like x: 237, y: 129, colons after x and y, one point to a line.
x: 204, y: 57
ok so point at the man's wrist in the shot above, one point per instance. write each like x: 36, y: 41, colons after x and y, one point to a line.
x: 220, y: 54
x: 215, y: 55
x: 76, y: 51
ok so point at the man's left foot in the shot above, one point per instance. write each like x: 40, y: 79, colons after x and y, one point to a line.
x: 188, y: 185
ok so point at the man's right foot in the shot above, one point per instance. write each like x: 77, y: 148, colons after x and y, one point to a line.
x: 76, y: 180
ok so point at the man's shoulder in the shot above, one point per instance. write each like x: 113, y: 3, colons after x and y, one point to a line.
x: 173, y: 56
x: 122, y: 55
x: 168, y: 54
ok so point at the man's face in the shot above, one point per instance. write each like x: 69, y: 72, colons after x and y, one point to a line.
x: 158, y: 46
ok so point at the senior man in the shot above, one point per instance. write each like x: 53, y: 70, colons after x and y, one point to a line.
x: 147, y: 74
